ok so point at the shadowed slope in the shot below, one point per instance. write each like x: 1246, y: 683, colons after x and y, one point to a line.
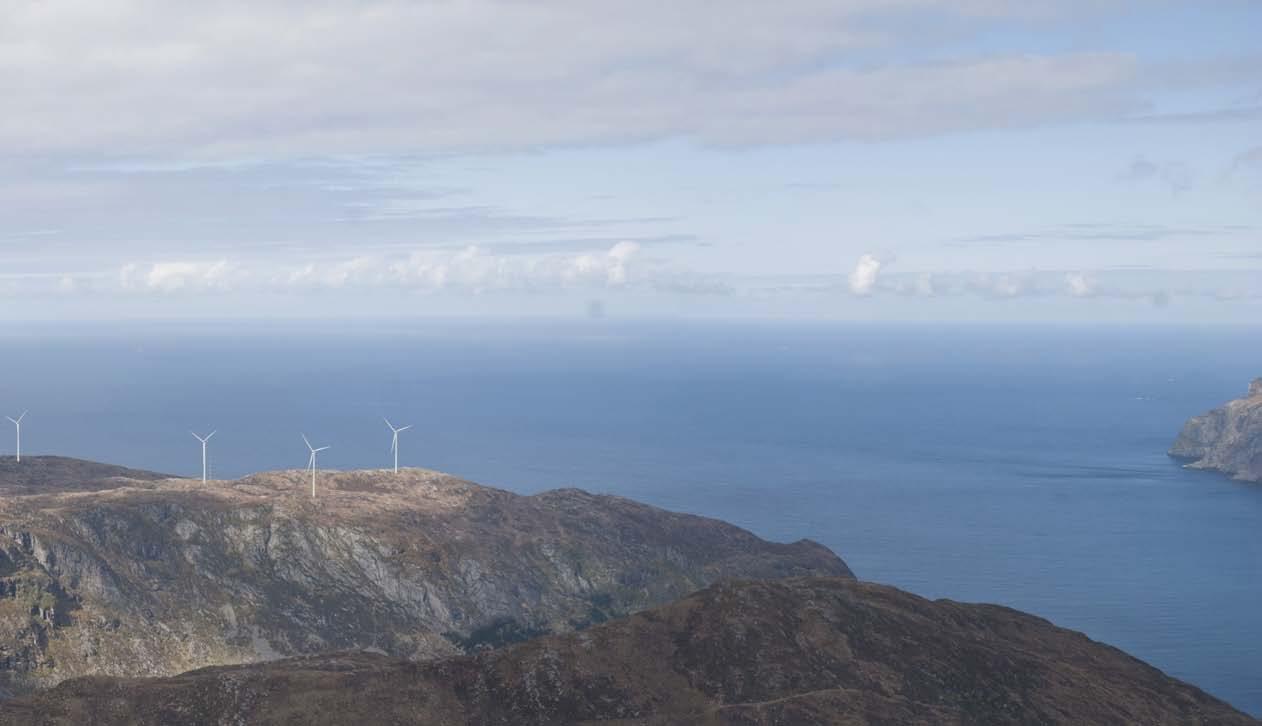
x: 798, y: 651
x: 53, y: 474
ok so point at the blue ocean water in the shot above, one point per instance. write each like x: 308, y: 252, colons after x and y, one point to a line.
x: 1022, y: 466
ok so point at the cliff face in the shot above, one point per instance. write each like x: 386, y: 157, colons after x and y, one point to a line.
x: 1227, y: 439
x: 158, y: 576
x: 798, y: 651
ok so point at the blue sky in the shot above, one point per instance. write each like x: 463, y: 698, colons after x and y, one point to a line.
x: 855, y: 160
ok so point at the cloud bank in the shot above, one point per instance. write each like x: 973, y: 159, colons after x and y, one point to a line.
x: 470, y: 270
x: 283, y: 76
x: 1157, y: 286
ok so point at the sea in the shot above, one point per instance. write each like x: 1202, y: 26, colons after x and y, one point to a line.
x: 1020, y: 465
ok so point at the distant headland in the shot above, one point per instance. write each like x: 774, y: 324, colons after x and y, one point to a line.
x: 1227, y: 439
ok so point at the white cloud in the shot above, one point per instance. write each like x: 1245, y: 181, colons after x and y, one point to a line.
x: 862, y: 279
x: 1008, y: 284
x: 178, y: 276
x: 867, y: 278
x: 71, y: 285
x: 1156, y: 286
x: 1080, y: 284
x: 474, y: 271
x: 396, y: 75
x: 616, y: 260
x: 468, y: 270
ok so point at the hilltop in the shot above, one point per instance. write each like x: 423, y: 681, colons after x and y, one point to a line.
x: 827, y: 651
x: 59, y: 474
x: 103, y: 572
x: 1227, y: 439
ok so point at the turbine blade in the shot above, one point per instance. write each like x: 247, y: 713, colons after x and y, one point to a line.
x: 322, y: 448
x: 405, y: 428
x: 212, y: 433
x: 383, y: 418
x: 304, y: 440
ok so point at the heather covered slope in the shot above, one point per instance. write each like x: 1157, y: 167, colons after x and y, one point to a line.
x: 53, y: 474
x: 159, y: 576
x: 797, y: 651
x: 1227, y: 439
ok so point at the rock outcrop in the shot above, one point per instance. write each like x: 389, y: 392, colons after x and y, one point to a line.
x: 826, y: 651
x: 151, y: 576
x: 1227, y: 439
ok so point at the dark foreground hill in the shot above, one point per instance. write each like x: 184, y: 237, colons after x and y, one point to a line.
x: 1227, y: 439
x: 799, y: 651
x: 104, y: 571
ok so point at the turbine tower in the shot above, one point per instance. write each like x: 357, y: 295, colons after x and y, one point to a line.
x: 212, y: 433
x: 17, y: 422
x: 311, y: 463
x: 394, y: 441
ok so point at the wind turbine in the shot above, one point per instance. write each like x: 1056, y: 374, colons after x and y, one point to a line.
x: 212, y: 433
x: 394, y: 442
x: 312, y: 461
x: 18, y: 423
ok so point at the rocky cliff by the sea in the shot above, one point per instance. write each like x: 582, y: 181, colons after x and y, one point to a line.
x: 1227, y: 439
x: 822, y: 651
x: 108, y: 571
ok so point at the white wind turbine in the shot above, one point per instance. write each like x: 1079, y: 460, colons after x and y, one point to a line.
x: 394, y: 441
x: 17, y: 422
x: 312, y: 461
x: 204, y: 440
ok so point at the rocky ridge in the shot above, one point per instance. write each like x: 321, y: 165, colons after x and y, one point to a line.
x: 152, y: 576
x: 825, y: 651
x: 1227, y: 439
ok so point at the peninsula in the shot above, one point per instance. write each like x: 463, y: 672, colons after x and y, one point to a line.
x: 1227, y: 439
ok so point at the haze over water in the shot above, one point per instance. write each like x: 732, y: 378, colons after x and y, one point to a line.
x: 1024, y: 467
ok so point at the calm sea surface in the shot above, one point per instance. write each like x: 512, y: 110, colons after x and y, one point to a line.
x: 1023, y: 466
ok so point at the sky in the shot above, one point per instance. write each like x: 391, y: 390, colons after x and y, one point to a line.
x: 884, y: 160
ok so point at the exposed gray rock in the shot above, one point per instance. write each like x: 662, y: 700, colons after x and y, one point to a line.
x: 1227, y: 439
x: 157, y: 577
